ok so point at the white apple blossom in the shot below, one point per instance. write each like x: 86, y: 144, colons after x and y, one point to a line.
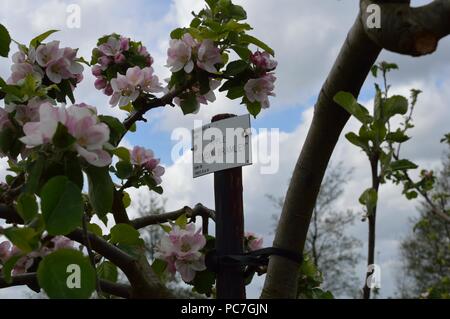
x: 208, y: 56
x: 259, y: 90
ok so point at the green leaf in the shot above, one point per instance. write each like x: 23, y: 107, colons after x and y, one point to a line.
x: 95, y: 229
x: 374, y: 70
x: 402, y: 165
x: 254, y: 108
x: 369, y: 198
x: 235, y: 92
x: 117, y: 130
x: 238, y: 13
x: 62, y: 138
x: 62, y: 206
x: 242, y: 51
x: 236, y: 67
x: 182, y: 221
x: 126, y: 235
x: 245, y: 38
x: 126, y: 200
x: 358, y: 141
x: 124, y: 169
x: 5, y: 41
x: 159, y: 266
x: 122, y: 153
x: 394, y: 105
x: 177, y: 33
x: 67, y: 274
x: 27, y: 206
x: 349, y: 103
x: 101, y: 190
x: 8, y: 266
x: 108, y: 271
x: 34, y: 177
x: 40, y: 38
x: 397, y: 137
x: 189, y: 104
x: 26, y: 239
x: 204, y: 282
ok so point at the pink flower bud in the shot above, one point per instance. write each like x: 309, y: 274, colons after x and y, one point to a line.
x: 96, y: 70
x: 124, y: 44
x: 108, y: 91
x: 100, y: 83
x: 119, y: 58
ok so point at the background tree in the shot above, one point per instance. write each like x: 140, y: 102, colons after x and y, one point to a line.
x: 426, y: 251
x: 328, y: 245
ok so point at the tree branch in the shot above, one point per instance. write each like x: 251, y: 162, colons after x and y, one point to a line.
x: 146, y: 106
x: 199, y: 210
x: 116, y: 289
x: 406, y: 30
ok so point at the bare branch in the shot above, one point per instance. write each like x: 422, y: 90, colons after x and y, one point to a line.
x: 115, y: 289
x: 407, y: 30
x: 199, y: 210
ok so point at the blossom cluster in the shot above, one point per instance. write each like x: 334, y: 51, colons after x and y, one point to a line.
x: 146, y: 158
x: 123, y: 70
x: 82, y: 123
x: 260, y: 88
x: 185, y: 53
x: 7, y: 251
x: 47, y: 61
x: 181, y: 250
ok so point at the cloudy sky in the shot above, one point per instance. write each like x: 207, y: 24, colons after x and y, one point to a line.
x: 306, y: 35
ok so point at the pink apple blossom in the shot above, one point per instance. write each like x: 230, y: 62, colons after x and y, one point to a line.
x: 21, y: 70
x: 126, y: 87
x: 150, y: 82
x: 180, y: 54
x: 181, y: 250
x: 253, y: 242
x: 259, y: 90
x: 96, y: 70
x: 47, y: 53
x: 140, y: 156
x: 208, y: 56
x: 124, y: 44
x: 263, y: 61
x: 112, y: 47
x: 146, y: 158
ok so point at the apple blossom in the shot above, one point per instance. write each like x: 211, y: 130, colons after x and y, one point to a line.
x: 201, y: 99
x: 150, y: 82
x: 253, y: 242
x: 180, y: 54
x: 208, y: 56
x: 112, y: 47
x: 47, y: 53
x: 100, y: 83
x: 181, y: 251
x: 263, y: 61
x: 80, y: 121
x: 21, y: 70
x: 259, y: 90
x: 146, y: 158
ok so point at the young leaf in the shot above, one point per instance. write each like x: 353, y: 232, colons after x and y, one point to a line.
x: 26, y: 239
x: 40, y: 38
x: 349, y: 103
x: 402, y: 165
x: 27, y: 206
x: 126, y: 235
x: 62, y: 206
x: 5, y: 41
x: 108, y: 271
x: 369, y: 198
x: 101, y: 190
x: 245, y: 38
x: 394, y: 105
x: 67, y: 274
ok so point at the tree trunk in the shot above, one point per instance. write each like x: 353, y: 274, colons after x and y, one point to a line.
x: 349, y: 72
